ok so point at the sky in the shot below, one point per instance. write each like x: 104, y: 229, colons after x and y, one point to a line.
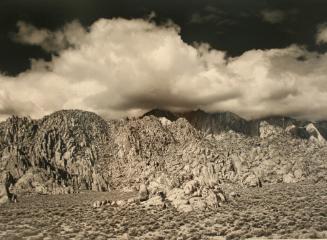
x: 255, y: 58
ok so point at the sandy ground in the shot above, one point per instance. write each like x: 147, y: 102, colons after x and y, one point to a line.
x: 276, y: 211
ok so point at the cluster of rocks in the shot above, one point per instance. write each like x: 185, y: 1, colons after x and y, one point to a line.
x: 192, y: 197
x: 118, y: 203
x: 181, y: 159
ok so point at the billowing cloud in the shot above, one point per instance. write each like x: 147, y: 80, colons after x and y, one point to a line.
x: 124, y: 67
x: 273, y: 16
x: 322, y: 34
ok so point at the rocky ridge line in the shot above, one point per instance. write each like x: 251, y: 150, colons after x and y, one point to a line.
x: 174, y: 157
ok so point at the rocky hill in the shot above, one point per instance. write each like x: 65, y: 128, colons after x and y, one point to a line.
x: 212, y: 123
x: 186, y: 156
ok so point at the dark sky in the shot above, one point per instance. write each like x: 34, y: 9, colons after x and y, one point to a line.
x: 231, y: 25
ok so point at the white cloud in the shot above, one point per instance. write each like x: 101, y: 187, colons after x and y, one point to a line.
x: 273, y: 16
x: 120, y: 67
x: 49, y: 41
x: 322, y: 34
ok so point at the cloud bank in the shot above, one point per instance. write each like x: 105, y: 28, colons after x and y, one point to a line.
x: 122, y: 67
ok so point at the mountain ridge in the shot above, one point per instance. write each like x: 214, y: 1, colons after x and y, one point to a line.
x: 223, y: 119
x: 72, y: 150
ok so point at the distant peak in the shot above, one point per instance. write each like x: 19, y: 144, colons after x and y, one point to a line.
x: 162, y: 113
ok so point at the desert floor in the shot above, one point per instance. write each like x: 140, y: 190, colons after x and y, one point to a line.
x: 276, y: 211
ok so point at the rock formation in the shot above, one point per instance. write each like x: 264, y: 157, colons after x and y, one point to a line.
x: 5, y: 194
x: 185, y: 158
x: 54, y: 153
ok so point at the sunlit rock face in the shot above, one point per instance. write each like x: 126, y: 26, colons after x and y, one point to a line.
x: 315, y: 134
x: 62, y: 148
x: 187, y: 157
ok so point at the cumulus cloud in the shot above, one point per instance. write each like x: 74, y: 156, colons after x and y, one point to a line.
x: 124, y: 67
x: 322, y: 34
x: 273, y: 16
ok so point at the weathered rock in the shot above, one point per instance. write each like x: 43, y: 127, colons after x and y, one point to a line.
x: 178, y: 199
x: 198, y: 203
x: 64, y: 144
x: 190, y: 187
x: 232, y: 196
x: 4, y: 195
x: 121, y: 203
x: 237, y: 164
x: 221, y: 197
x: 251, y: 180
x: 143, y: 193
x: 192, y: 152
x: 289, y: 178
x: 5, y: 184
x: 212, y: 199
x: 315, y: 134
x: 133, y: 200
x: 96, y: 204
x: 185, y: 208
x: 155, y: 201
x: 298, y: 173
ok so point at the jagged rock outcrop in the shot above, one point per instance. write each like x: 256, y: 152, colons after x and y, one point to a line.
x: 214, y: 123
x: 185, y: 157
x: 68, y: 144
x: 314, y: 134
x: 55, y: 152
x: 5, y: 184
x: 4, y: 198
x: 143, y: 193
x: 16, y: 136
x: 211, y: 123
